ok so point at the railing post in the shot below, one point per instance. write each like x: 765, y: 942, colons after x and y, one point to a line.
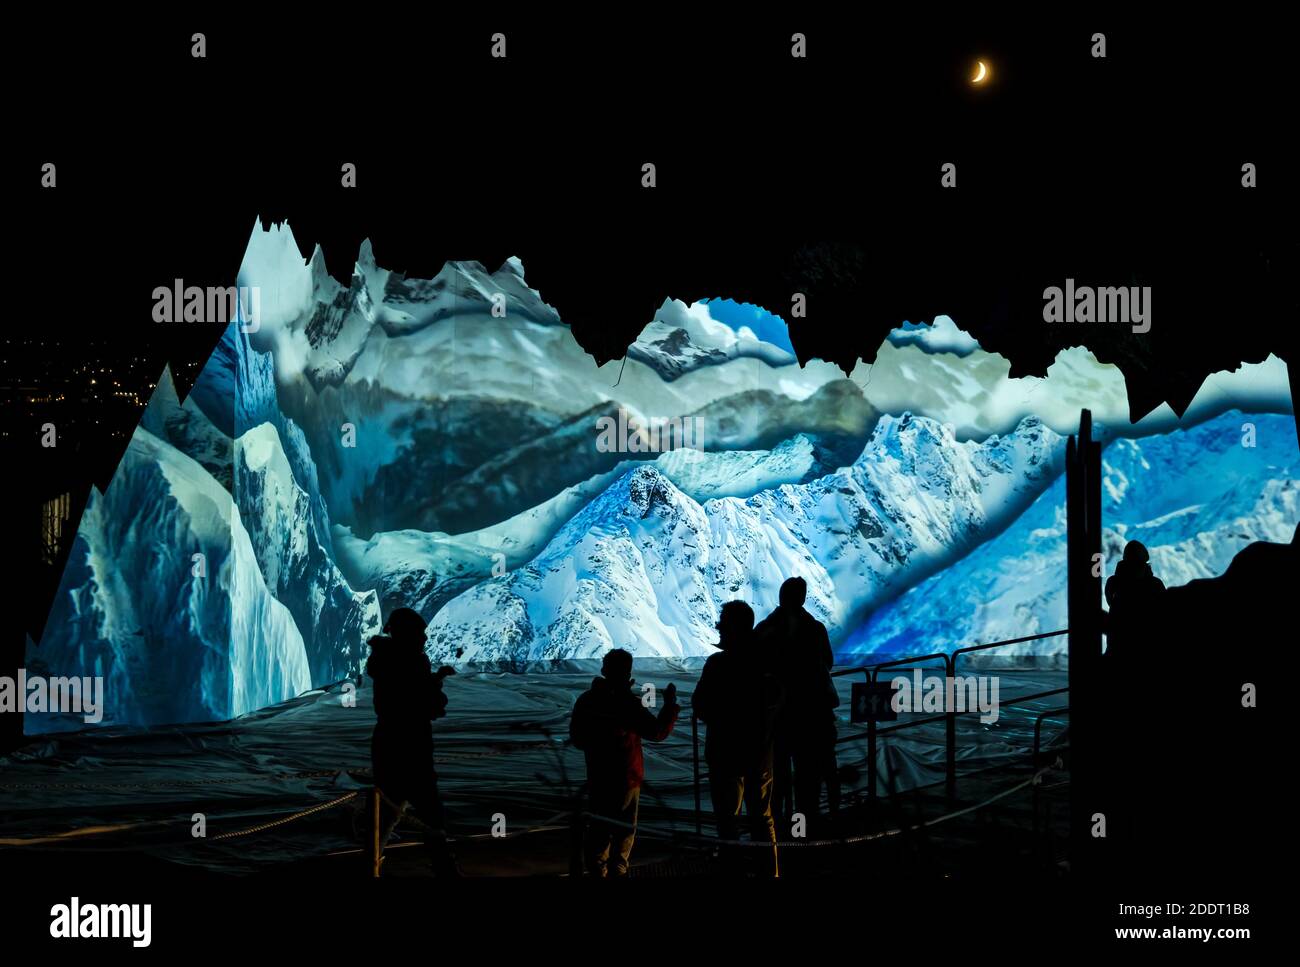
x: 578, y: 834
x: 695, y: 756
x: 871, y: 748
x: 871, y: 759
x: 378, y: 857
x: 1083, y: 601
x: 1038, y: 744
x: 950, y: 738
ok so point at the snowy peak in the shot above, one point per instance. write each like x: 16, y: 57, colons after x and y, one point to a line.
x: 682, y: 339
x: 939, y: 336
x: 324, y: 287
x: 925, y: 453
x: 650, y: 492
x: 909, y: 443
x: 319, y: 327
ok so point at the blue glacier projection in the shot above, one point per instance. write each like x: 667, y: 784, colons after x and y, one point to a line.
x: 1195, y: 497
x: 401, y: 442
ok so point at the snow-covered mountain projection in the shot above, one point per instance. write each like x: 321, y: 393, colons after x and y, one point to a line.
x: 201, y: 583
x: 438, y: 444
x: 164, y: 598
x: 1194, y: 497
x: 644, y: 565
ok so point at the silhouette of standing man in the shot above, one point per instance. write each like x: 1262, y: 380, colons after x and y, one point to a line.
x: 737, y: 698
x: 1133, y: 593
x: 608, y: 724
x: 801, y: 652
x: 408, y: 696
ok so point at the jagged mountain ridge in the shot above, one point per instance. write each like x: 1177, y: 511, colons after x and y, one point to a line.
x: 644, y: 565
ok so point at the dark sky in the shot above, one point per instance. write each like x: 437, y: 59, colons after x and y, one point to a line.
x: 817, y: 175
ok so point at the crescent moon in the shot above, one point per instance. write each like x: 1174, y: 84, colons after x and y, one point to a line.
x: 980, y: 74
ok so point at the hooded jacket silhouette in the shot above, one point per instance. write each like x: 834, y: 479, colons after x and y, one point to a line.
x: 1132, y: 593
x: 608, y: 724
x: 408, y: 696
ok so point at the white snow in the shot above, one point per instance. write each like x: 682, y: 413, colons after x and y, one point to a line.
x: 645, y: 566
x: 178, y: 637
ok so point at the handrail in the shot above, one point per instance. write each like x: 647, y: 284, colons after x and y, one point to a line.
x: 968, y: 648
x: 1038, y: 726
x: 1016, y: 700
x: 949, y: 660
x: 900, y: 662
x: 1038, y: 736
x: 1009, y: 641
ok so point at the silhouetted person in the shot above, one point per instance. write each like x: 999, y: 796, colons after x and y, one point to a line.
x: 608, y: 723
x: 805, y: 731
x: 738, y: 699
x: 408, y: 697
x: 1130, y: 669
x: 1131, y: 594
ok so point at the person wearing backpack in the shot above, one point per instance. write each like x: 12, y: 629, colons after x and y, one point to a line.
x: 609, y: 723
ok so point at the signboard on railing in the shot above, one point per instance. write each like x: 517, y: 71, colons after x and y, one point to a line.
x: 872, y: 702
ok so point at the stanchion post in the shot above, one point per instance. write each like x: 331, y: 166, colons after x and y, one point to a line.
x: 577, y: 833
x: 871, y: 747
x: 950, y: 737
x: 377, y: 857
x: 871, y: 758
x: 695, y: 756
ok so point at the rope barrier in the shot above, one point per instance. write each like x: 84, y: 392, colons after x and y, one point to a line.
x: 123, y: 827
x: 321, y: 807
x: 544, y: 826
x: 317, y: 774
x: 707, y: 842
x: 73, y: 834
x: 701, y: 842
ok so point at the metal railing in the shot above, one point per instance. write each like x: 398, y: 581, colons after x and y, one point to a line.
x: 1038, y: 728
x: 1038, y: 755
x: 873, y: 732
